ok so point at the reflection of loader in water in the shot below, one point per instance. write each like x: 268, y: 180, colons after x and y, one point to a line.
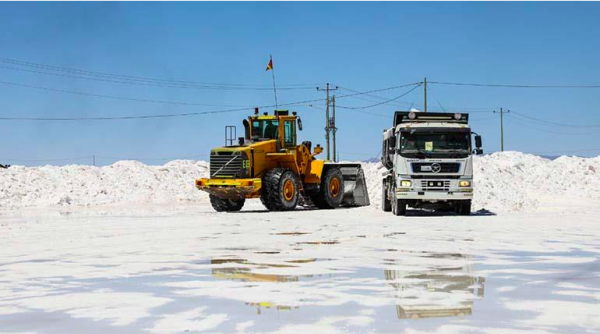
x: 245, y: 274
x: 439, y: 292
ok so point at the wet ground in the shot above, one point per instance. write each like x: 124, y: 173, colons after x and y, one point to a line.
x: 186, y: 270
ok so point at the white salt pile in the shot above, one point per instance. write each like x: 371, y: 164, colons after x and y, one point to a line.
x: 125, y: 182
x: 504, y: 182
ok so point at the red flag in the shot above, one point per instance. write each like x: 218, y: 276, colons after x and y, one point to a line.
x: 270, y: 64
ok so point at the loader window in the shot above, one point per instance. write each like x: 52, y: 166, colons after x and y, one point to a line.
x: 289, y: 133
x: 264, y: 129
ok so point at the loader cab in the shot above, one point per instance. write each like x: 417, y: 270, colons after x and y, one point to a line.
x: 281, y: 126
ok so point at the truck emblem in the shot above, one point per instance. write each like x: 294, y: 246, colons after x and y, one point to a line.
x: 436, y: 168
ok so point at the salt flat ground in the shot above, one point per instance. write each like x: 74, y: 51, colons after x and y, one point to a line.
x: 188, y: 269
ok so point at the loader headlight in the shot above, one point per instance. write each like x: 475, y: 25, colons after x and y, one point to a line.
x: 405, y: 183
x: 464, y: 183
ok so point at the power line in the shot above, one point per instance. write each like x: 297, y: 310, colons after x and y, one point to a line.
x: 556, y: 124
x: 511, y: 85
x: 152, y: 84
x: 57, y: 90
x: 383, y: 102
x: 138, y: 79
x: 104, y: 118
x: 527, y: 124
x: 49, y: 160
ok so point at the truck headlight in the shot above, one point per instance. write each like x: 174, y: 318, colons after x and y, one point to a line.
x: 405, y: 183
x: 464, y: 183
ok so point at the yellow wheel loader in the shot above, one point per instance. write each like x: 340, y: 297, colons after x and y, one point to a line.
x: 269, y: 164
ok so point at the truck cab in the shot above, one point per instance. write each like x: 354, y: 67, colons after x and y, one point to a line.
x: 429, y: 162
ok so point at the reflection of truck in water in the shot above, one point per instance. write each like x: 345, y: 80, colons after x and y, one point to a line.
x: 446, y: 291
x: 429, y: 158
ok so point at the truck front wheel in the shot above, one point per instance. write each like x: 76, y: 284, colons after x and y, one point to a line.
x: 463, y: 208
x: 386, y: 204
x: 225, y: 204
x: 399, y: 207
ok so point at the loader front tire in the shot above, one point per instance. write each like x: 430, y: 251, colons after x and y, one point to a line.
x: 225, y: 204
x: 280, y: 190
x: 331, y: 191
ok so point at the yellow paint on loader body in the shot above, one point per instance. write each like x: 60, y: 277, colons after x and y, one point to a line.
x: 270, y: 141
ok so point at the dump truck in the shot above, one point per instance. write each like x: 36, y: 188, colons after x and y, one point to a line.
x: 269, y: 164
x: 429, y: 162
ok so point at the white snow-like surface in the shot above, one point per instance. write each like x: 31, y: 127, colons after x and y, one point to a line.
x: 306, y: 271
x: 504, y: 182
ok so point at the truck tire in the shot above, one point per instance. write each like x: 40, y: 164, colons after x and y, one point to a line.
x: 399, y: 207
x: 225, y: 204
x: 331, y: 191
x: 280, y: 190
x: 464, y: 208
x: 386, y: 204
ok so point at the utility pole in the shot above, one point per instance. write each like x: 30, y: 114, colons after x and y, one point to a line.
x: 502, y: 112
x: 425, y: 93
x: 334, y: 130
x: 327, y: 119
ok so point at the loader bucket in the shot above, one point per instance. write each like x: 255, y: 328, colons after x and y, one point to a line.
x: 355, y: 185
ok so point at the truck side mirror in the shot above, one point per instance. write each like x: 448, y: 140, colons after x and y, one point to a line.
x: 478, y: 149
x: 299, y: 124
x: 478, y: 141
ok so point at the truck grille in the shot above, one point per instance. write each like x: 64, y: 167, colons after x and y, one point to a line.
x: 435, y: 185
x: 428, y: 167
x: 225, y: 164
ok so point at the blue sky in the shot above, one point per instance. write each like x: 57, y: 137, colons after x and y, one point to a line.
x: 358, y: 46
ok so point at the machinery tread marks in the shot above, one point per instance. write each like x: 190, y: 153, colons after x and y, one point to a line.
x: 324, y: 198
x: 226, y: 205
x: 274, y: 190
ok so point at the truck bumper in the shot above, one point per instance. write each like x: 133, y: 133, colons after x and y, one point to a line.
x: 231, y: 188
x: 451, y: 195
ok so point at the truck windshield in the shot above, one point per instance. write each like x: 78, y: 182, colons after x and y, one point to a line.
x: 264, y: 129
x: 452, y: 144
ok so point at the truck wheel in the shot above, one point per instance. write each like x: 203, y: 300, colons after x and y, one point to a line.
x: 225, y: 204
x: 464, y: 208
x: 386, y: 204
x: 398, y: 205
x: 280, y: 190
x: 331, y: 191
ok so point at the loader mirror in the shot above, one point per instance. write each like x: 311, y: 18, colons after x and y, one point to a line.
x: 318, y: 149
x: 299, y: 124
x: 247, y: 128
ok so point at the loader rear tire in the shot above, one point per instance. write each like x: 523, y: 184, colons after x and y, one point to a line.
x: 225, y: 204
x: 280, y: 190
x: 386, y: 204
x: 331, y: 191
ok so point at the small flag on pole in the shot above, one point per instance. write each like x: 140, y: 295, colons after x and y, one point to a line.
x: 270, y: 64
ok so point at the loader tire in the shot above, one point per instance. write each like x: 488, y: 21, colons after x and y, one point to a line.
x: 225, y: 204
x: 331, y: 191
x: 280, y: 190
x: 386, y: 204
